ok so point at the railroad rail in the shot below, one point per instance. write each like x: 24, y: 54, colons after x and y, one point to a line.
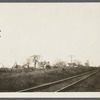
x: 60, y: 85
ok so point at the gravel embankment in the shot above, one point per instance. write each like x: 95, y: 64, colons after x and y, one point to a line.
x: 91, y: 84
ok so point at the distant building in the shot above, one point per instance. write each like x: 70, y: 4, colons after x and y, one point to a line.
x: 86, y: 63
x: 40, y: 65
x: 72, y: 64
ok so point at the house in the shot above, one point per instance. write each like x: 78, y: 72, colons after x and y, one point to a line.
x: 72, y: 64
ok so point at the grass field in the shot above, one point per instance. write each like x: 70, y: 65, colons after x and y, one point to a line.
x: 17, y: 80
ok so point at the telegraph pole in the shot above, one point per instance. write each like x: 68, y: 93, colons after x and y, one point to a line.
x: 71, y: 58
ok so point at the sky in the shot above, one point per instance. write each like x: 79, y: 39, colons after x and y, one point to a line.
x: 52, y: 30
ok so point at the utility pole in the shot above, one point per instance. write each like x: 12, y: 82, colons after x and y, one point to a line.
x: 71, y: 57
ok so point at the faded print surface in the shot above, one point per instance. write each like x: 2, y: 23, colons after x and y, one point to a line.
x: 46, y: 43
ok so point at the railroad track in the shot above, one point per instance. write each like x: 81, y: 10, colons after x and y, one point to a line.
x: 60, y: 85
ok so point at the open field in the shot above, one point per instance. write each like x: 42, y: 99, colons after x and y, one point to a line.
x: 17, y: 80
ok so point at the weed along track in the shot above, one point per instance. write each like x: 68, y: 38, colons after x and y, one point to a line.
x: 61, y: 85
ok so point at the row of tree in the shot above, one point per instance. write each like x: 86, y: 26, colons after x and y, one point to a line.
x: 34, y: 61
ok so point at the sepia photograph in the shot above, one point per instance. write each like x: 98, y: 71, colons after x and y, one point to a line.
x: 49, y: 47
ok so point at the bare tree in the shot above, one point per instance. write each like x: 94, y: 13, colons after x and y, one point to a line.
x: 15, y: 65
x: 28, y: 62
x: 35, y: 59
x: 60, y: 64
